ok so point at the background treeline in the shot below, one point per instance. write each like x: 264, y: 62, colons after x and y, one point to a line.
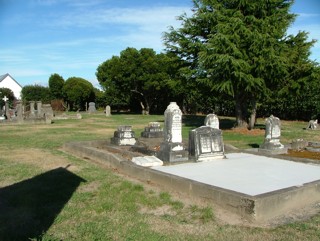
x: 231, y: 57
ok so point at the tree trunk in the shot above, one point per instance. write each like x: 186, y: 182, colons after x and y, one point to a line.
x: 253, y: 115
x: 241, y: 121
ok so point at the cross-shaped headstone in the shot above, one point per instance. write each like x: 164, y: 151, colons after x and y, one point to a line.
x: 5, y: 99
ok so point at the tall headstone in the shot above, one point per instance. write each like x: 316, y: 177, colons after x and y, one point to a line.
x: 19, y: 109
x: 205, y: 143
x: 271, y: 144
x: 6, y: 108
x: 153, y: 130
x: 92, y: 107
x: 123, y: 136
x: 39, y: 107
x: 212, y: 120
x: 47, y: 112
x: 32, y: 110
x: 108, y: 110
x: 171, y: 149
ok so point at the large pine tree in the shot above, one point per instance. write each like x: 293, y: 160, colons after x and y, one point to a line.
x: 236, y: 47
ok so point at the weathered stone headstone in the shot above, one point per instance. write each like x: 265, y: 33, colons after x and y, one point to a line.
x: 92, y: 107
x: 47, y: 112
x: 272, y: 143
x: 153, y: 130
x: 108, y: 110
x: 39, y: 107
x: 212, y: 120
x: 19, y: 109
x: 32, y: 110
x: 171, y: 149
x: 313, y: 124
x: 205, y: 143
x: 124, y: 136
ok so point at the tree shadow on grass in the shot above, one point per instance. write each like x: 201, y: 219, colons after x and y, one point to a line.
x: 28, y: 208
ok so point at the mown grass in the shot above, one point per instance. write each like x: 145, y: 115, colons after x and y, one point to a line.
x: 46, y: 194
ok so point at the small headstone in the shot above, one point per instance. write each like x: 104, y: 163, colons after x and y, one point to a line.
x: 171, y: 149
x: 205, y: 143
x: 153, y: 130
x: 47, y: 112
x: 108, y: 110
x: 272, y: 143
x: 124, y: 136
x: 92, y: 107
x: 313, y: 124
x: 212, y: 120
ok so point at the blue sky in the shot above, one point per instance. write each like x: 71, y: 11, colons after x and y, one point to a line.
x: 72, y: 37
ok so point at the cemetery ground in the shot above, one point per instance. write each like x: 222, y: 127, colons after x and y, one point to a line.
x: 45, y: 193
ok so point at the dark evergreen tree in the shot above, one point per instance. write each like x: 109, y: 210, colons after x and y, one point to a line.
x: 56, y: 83
x: 236, y: 47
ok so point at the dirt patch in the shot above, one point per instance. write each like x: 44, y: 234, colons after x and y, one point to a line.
x: 304, y: 154
x: 37, y: 157
x: 245, y: 131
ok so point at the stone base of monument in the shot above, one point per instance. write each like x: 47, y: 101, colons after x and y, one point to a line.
x: 272, y: 148
x: 151, y: 134
x: 124, y: 136
x: 172, y: 152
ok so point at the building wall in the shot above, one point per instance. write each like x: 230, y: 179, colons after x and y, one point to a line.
x: 8, y: 82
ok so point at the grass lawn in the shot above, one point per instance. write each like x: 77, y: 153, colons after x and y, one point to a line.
x: 47, y: 194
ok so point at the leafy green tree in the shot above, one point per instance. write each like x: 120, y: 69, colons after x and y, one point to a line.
x: 140, y: 75
x: 56, y: 83
x: 9, y: 94
x: 77, y: 91
x: 36, y: 93
x: 238, y: 48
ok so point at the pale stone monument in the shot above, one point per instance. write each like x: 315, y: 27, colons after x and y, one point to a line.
x: 212, y: 120
x: 153, y: 130
x: 6, y: 108
x: 92, y: 107
x: 171, y: 149
x: 32, y: 110
x: 19, y: 109
x: 108, y: 110
x: 47, y: 113
x: 272, y: 143
x: 313, y: 124
x: 39, y: 107
x: 205, y: 143
x: 124, y: 136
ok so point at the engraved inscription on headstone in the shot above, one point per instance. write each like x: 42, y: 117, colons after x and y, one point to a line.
x: 205, y: 143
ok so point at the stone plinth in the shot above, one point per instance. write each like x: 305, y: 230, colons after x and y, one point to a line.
x: 124, y: 136
x: 153, y: 130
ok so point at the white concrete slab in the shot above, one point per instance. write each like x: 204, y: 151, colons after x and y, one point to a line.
x: 147, y: 161
x: 247, y: 173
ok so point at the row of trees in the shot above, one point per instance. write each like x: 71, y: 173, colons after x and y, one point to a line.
x: 73, y: 93
x: 233, y: 57
x: 230, y: 55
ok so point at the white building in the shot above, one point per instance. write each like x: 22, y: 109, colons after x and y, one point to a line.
x: 6, y: 81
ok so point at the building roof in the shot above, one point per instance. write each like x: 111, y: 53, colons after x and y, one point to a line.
x: 2, y: 77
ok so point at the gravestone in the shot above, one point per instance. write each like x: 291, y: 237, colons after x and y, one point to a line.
x: 212, y: 120
x: 171, y: 149
x: 313, y: 124
x: 39, y: 107
x: 153, y: 130
x: 19, y: 109
x: 92, y: 107
x: 32, y: 110
x: 108, y: 110
x: 124, y: 136
x: 271, y: 144
x: 205, y: 143
x: 47, y: 113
